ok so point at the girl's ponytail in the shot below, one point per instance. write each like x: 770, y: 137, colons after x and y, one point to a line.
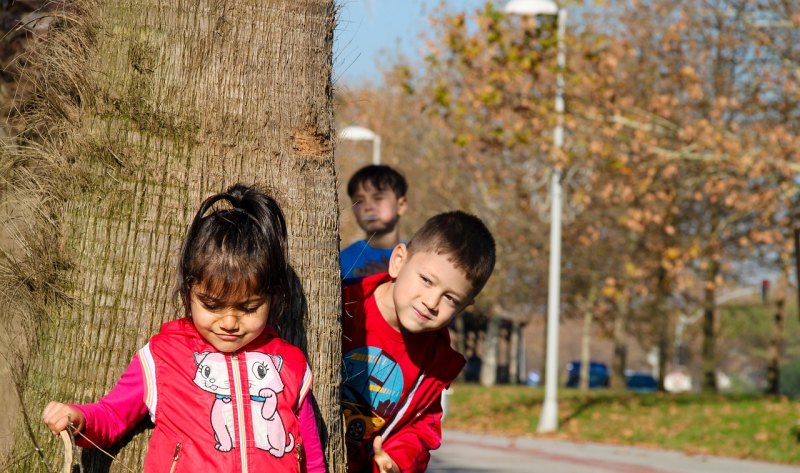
x: 243, y: 243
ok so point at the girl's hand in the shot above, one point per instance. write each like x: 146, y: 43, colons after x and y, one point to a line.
x: 382, y: 459
x: 57, y: 417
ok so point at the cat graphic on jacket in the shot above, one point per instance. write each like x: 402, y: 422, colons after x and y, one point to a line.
x: 264, y: 385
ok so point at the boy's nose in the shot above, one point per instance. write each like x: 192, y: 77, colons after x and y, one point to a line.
x: 431, y: 302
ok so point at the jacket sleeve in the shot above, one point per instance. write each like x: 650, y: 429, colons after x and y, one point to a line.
x: 313, y: 458
x: 410, y: 445
x: 110, y: 418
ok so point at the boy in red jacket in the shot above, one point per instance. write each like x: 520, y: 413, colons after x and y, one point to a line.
x: 397, y: 354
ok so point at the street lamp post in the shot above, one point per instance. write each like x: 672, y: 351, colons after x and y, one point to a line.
x: 359, y: 133
x: 548, y: 421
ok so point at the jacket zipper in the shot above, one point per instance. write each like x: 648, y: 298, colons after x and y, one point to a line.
x: 175, y: 458
x: 236, y: 386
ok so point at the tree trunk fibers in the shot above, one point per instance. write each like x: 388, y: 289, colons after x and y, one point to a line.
x: 144, y: 108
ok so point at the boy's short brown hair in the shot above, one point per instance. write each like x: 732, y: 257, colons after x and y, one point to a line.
x: 464, y: 238
x: 379, y: 176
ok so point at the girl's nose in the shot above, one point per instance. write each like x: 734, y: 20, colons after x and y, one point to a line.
x: 229, y: 322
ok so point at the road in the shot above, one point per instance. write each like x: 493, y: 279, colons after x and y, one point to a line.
x: 474, y: 453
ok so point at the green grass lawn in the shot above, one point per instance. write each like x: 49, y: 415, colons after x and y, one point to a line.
x: 755, y: 427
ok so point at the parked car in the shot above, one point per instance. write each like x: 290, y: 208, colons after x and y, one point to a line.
x: 598, y: 374
x: 641, y: 382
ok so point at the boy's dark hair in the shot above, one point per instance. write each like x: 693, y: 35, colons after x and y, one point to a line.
x: 464, y: 238
x: 380, y: 177
x: 241, y: 247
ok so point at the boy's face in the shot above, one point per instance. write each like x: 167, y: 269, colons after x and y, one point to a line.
x: 428, y: 290
x: 377, y: 211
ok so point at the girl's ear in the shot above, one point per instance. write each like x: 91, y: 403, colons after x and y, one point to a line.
x: 398, y: 259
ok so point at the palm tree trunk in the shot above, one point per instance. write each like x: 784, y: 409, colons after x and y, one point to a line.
x: 145, y: 108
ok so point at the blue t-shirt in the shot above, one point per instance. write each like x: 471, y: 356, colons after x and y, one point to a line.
x: 360, y: 260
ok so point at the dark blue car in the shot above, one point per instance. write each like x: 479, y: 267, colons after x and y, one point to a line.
x: 598, y: 374
x: 641, y: 382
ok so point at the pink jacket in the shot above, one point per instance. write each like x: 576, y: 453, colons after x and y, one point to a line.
x: 204, y: 417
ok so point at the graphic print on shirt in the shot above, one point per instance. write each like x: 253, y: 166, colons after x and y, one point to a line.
x: 368, y: 267
x: 372, y: 390
x: 264, y: 385
x: 212, y: 376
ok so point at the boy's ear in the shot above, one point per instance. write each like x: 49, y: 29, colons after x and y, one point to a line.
x: 398, y: 259
x: 402, y: 205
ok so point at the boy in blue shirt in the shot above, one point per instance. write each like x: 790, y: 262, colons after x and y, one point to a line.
x: 378, y: 195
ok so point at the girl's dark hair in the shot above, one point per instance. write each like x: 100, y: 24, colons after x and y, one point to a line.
x: 237, y: 248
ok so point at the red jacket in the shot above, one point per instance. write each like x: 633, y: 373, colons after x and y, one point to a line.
x: 223, y: 411
x: 413, y: 427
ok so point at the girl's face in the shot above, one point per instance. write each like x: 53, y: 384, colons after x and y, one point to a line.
x: 228, y: 324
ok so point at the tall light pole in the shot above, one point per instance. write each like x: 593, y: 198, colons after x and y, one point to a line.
x: 548, y: 421
x: 359, y: 133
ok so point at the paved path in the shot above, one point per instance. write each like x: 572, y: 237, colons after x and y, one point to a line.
x: 473, y: 453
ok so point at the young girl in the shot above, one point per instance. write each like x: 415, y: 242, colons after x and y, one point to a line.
x: 224, y: 391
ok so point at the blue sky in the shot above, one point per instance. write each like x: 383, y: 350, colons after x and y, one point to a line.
x: 373, y: 32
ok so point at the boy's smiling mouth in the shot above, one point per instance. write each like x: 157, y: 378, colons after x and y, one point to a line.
x: 422, y: 315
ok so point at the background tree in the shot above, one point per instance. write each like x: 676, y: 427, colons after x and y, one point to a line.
x: 681, y: 117
x: 141, y: 110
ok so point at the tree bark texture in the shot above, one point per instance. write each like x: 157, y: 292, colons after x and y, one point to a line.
x: 148, y: 107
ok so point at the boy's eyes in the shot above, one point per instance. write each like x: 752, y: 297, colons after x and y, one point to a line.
x: 452, y: 300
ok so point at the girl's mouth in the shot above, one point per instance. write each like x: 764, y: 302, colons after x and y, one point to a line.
x: 228, y: 337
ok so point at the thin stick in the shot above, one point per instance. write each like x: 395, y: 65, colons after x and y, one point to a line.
x: 65, y: 437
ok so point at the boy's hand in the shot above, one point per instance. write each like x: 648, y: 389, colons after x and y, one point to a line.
x: 57, y: 417
x: 382, y: 459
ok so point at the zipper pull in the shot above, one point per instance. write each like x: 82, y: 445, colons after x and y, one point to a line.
x: 175, y: 458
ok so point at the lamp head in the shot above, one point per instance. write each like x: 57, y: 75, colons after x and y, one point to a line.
x: 357, y: 133
x: 531, y: 7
